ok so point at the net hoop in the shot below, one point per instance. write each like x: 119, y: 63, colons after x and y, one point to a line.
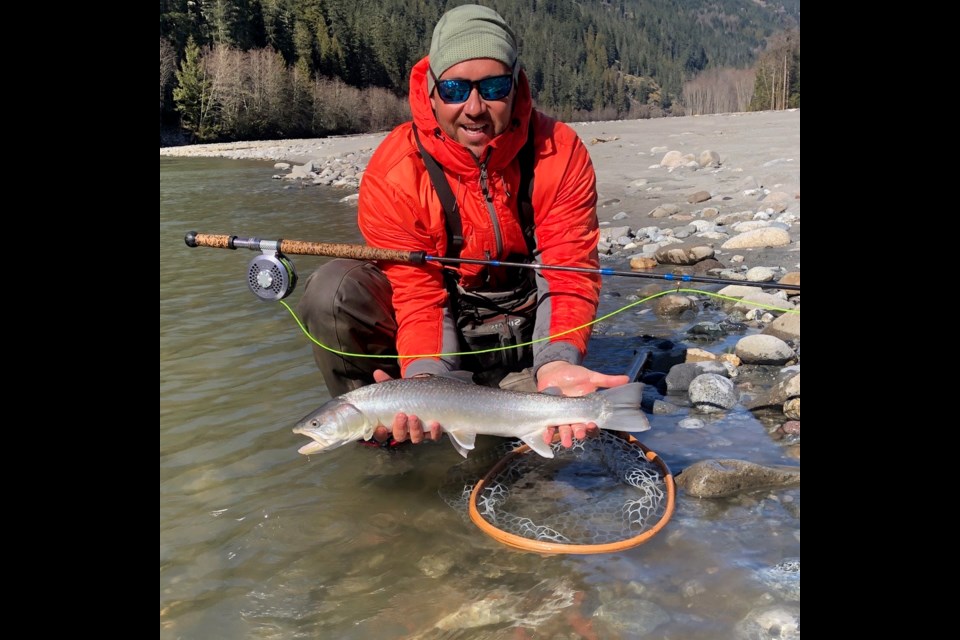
x: 542, y: 546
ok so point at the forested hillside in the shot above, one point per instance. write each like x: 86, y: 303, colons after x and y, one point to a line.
x: 268, y: 68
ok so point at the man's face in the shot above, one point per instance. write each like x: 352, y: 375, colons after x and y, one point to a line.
x: 476, y: 122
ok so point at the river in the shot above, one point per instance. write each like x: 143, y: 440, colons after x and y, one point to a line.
x: 258, y: 541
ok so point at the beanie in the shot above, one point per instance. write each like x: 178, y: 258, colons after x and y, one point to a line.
x: 467, y: 32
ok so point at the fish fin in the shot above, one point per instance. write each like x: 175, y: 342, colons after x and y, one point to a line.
x: 552, y: 391
x: 462, y: 442
x: 625, y: 403
x: 535, y: 441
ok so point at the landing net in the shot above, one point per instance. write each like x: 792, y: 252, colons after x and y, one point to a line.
x: 604, y: 494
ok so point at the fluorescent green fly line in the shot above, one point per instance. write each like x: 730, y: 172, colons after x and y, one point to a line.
x: 525, y: 344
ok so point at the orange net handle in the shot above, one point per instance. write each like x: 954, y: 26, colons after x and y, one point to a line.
x: 540, y: 546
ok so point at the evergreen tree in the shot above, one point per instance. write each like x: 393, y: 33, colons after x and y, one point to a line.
x: 279, y: 28
x: 168, y: 65
x: 777, y: 83
x: 585, y: 59
x: 193, y: 95
x: 220, y: 16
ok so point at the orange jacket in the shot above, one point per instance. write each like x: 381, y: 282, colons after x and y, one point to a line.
x: 399, y: 209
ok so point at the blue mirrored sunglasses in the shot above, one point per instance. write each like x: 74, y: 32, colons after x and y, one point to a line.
x: 456, y: 91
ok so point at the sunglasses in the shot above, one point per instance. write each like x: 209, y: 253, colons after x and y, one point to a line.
x: 456, y: 91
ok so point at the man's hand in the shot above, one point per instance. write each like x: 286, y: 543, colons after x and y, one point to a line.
x: 405, y: 426
x: 574, y: 380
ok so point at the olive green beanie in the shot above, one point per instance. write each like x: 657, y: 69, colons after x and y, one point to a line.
x: 467, y: 32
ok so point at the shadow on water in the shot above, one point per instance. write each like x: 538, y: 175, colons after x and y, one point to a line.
x: 257, y: 541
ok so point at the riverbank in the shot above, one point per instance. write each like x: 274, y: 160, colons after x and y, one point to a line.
x: 727, y: 181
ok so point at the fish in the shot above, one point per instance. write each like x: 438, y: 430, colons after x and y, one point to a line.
x: 466, y: 410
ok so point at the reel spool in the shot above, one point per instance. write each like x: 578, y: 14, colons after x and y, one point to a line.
x: 271, y: 276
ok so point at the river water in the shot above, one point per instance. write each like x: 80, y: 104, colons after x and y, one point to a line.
x: 258, y: 541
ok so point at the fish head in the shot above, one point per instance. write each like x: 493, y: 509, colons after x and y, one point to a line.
x: 332, y: 425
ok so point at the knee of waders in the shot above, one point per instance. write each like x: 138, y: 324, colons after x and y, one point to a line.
x: 340, y: 280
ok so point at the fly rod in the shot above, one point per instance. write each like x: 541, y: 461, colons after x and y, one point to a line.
x: 272, y: 277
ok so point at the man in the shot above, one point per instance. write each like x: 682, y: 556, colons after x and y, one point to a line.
x: 472, y: 114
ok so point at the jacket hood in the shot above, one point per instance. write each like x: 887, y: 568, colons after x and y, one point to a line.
x: 450, y: 153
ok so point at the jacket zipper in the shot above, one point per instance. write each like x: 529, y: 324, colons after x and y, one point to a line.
x: 488, y: 199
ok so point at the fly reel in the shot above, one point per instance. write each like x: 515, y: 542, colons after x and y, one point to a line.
x: 271, y: 276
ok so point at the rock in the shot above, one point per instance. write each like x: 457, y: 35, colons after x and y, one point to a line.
x: 791, y: 277
x: 651, y: 289
x: 706, y: 331
x: 764, y: 349
x: 699, y: 355
x: 791, y: 408
x: 781, y: 622
x: 639, y: 263
x: 664, y: 211
x: 786, y: 327
x: 733, y: 217
x: 786, y: 387
x: 628, y: 618
x: 682, y: 375
x: 737, y: 290
x: 712, y: 393
x: 672, y: 159
x: 759, y: 274
x: 611, y: 234
x: 691, y: 423
x: 709, y: 159
x: 730, y: 358
x: 756, y: 299
x: 766, y: 237
x: 750, y: 225
x: 684, y: 254
x: 673, y: 305
x: 777, y: 200
x: 664, y: 408
x: 699, y: 196
x: 728, y: 477
x: 301, y: 171
x: 704, y: 267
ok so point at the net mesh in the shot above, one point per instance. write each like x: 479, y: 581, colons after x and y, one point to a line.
x: 603, y: 490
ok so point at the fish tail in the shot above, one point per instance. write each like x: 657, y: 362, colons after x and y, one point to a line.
x: 626, y: 414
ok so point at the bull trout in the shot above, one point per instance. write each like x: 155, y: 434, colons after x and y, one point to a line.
x: 466, y: 410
